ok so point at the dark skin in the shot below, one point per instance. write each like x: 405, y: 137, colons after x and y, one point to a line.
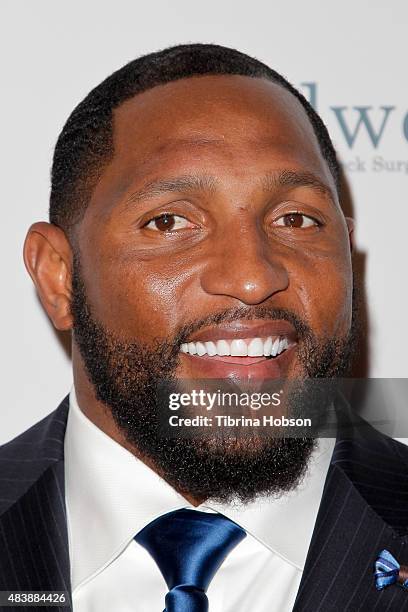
x: 256, y: 221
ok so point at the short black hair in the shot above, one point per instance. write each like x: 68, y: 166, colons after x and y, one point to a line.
x: 85, y: 144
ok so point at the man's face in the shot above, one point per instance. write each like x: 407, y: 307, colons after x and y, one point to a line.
x: 215, y: 229
x: 217, y: 203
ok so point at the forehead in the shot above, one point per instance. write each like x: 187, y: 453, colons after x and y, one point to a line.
x: 238, y: 125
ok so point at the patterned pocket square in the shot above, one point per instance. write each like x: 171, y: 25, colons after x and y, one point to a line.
x: 389, y: 571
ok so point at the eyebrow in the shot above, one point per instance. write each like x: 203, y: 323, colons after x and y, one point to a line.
x: 293, y: 179
x: 187, y: 183
x: 205, y: 183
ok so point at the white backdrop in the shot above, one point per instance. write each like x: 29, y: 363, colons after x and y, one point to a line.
x: 350, y: 56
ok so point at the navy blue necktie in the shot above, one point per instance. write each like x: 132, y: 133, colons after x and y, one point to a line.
x: 189, y: 546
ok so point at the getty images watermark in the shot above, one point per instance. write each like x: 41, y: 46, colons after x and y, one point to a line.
x: 239, y: 405
x: 314, y: 407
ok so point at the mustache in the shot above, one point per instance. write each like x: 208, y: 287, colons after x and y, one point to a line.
x: 228, y: 315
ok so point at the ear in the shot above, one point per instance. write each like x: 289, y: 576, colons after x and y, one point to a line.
x: 350, y: 228
x: 48, y: 259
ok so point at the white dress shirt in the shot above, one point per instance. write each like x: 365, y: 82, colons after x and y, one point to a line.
x: 111, y: 496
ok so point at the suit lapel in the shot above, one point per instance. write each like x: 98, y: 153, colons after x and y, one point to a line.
x: 347, y: 538
x: 33, y: 532
x: 364, y: 509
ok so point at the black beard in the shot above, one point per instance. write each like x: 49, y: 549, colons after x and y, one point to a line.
x: 125, y: 376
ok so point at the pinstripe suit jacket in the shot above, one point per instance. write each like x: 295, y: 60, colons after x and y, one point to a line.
x: 363, y: 510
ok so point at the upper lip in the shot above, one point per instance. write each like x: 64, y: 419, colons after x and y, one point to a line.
x: 245, y: 329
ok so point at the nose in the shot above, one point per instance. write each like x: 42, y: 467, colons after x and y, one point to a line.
x: 243, y: 265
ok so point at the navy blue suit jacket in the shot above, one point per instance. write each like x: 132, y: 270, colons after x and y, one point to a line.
x: 363, y: 510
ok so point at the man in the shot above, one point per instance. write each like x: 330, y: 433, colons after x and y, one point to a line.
x: 196, y: 233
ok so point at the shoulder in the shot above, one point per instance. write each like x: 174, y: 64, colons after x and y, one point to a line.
x: 362, y: 443
x: 26, y: 457
x: 377, y: 466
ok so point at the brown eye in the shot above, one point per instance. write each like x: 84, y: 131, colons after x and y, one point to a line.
x: 167, y: 223
x: 296, y: 220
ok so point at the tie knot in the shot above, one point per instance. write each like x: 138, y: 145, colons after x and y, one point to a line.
x: 189, y: 546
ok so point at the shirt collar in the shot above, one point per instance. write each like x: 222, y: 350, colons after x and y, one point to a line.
x: 285, y: 524
x: 111, y: 495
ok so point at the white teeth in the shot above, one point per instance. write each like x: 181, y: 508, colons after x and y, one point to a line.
x: 223, y: 348
x: 201, y: 350
x: 275, y: 348
x: 255, y: 348
x: 211, y: 348
x: 239, y: 348
x: 283, y: 344
x: 267, y: 347
x: 192, y: 348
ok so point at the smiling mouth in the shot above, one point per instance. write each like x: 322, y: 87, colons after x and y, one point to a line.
x: 247, y: 349
x: 244, y: 351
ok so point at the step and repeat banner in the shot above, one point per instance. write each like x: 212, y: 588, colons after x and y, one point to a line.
x: 348, y: 59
